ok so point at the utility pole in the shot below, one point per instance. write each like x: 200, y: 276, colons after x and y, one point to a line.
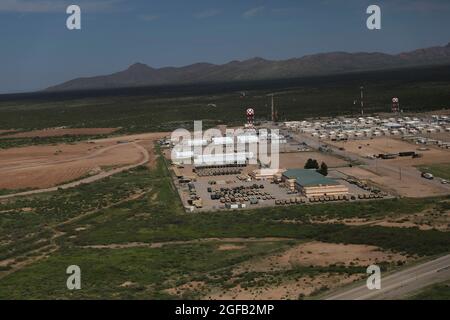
x: 273, y: 111
x: 362, y: 100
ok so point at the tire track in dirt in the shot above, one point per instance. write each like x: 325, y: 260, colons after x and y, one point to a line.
x: 91, y: 179
x: 153, y: 245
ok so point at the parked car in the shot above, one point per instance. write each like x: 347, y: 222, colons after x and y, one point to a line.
x: 427, y: 175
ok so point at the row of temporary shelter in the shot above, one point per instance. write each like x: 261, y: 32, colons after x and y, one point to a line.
x: 203, y: 160
x: 343, y: 129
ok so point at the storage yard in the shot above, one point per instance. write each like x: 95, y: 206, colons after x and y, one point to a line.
x: 387, y: 151
x: 367, y: 158
x: 244, y: 186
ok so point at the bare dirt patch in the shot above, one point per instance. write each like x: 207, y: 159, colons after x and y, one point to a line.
x: 29, y: 171
x: 192, y: 286
x: 406, y: 183
x: 51, y: 165
x: 430, y: 218
x: 288, y: 290
x: 128, y: 284
x: 161, y: 244
x: 427, y: 220
x: 393, y: 145
x: 315, y: 253
x: 321, y: 254
x: 228, y: 247
x: 348, y: 222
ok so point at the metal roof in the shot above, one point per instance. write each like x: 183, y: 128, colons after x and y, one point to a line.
x: 309, y: 177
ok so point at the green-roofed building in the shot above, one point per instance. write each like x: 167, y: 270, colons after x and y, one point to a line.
x: 312, y: 184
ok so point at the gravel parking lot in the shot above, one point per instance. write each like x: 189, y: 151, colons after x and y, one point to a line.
x: 272, y: 191
x: 202, y: 185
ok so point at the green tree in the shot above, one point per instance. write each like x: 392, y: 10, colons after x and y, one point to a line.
x: 323, y: 169
x: 311, y: 164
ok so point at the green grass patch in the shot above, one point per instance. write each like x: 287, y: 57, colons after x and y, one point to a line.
x: 103, y: 271
x: 439, y: 291
x: 438, y: 170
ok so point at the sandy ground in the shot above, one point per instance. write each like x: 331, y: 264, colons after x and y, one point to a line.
x: 391, y: 182
x: 426, y: 220
x: 306, y: 254
x: 321, y: 254
x: 228, y: 247
x: 289, y: 290
x: 58, y: 132
x: 298, y: 159
x: 391, y: 145
x: 227, y: 243
x: 190, y: 286
x: 311, y: 253
x: 443, y: 136
x: 52, y: 171
x: 51, y: 165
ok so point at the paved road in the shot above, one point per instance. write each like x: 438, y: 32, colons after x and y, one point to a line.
x: 400, y: 284
x: 90, y: 179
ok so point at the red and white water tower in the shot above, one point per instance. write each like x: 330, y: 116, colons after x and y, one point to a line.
x: 395, y: 105
x: 250, y: 113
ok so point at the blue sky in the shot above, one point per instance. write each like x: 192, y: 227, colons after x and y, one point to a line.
x: 37, y: 50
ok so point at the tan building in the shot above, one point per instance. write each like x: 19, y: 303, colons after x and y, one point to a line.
x: 266, y: 174
x: 312, y: 184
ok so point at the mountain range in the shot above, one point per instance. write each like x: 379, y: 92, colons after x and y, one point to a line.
x: 139, y: 74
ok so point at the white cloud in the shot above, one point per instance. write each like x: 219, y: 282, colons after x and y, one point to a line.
x: 253, y: 12
x: 207, y: 13
x: 50, y: 6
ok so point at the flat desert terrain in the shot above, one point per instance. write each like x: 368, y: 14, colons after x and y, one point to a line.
x: 392, y: 145
x: 406, y: 186
x: 36, y: 167
x: 313, y: 253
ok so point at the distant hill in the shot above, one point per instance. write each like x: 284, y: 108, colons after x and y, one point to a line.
x: 140, y: 74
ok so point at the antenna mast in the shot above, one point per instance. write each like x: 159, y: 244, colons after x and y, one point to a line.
x: 272, y: 108
x: 362, y: 101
